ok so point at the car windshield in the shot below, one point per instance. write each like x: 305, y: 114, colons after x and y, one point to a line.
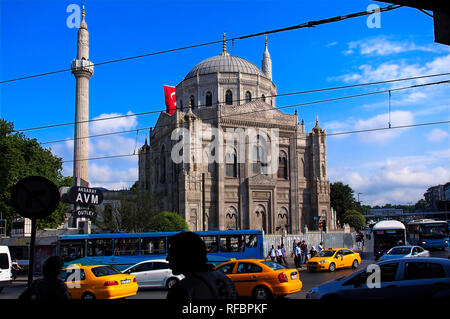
x: 273, y: 265
x: 104, y: 271
x: 400, y: 251
x: 327, y: 253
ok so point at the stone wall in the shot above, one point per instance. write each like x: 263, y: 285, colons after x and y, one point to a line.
x: 335, y: 239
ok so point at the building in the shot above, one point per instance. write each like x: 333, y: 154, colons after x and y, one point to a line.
x: 227, y: 158
x: 438, y: 198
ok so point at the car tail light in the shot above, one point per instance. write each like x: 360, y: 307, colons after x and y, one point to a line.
x: 282, y: 277
x: 111, y: 283
x: 134, y: 279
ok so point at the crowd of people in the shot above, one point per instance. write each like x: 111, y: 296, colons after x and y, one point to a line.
x: 299, y: 252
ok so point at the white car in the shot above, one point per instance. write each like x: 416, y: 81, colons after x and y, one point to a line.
x: 405, y: 251
x: 153, y: 273
x: 5, y: 267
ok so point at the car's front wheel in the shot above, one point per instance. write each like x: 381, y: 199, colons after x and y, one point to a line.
x: 355, y: 264
x: 332, y: 267
x: 262, y: 293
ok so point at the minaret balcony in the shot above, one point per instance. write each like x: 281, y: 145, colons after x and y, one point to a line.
x: 82, y: 66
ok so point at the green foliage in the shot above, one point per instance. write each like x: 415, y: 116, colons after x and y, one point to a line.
x: 168, y: 221
x: 342, y: 199
x: 22, y: 157
x: 354, y: 218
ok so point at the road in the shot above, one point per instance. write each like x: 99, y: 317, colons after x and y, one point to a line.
x: 308, y: 279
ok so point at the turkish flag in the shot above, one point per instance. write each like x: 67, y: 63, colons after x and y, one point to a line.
x: 171, y: 99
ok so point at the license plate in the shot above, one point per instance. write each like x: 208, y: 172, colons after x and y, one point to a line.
x: 126, y: 281
x: 294, y: 276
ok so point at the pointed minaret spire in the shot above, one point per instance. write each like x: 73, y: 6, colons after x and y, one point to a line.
x: 267, y: 62
x: 82, y: 69
x: 224, y: 45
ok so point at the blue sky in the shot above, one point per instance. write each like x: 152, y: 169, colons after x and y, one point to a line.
x: 395, y: 166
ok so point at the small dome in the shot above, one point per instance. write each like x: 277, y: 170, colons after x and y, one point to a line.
x: 224, y: 63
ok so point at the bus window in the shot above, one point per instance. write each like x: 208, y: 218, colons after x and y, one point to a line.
x: 153, y: 245
x: 72, y: 249
x: 99, y: 247
x: 232, y: 243
x: 211, y: 243
x: 126, y: 246
x: 252, y: 241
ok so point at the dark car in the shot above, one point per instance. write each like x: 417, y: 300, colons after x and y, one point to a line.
x: 410, y: 278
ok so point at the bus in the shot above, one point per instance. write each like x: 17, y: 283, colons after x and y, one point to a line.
x: 428, y: 233
x: 387, y: 234
x: 122, y: 250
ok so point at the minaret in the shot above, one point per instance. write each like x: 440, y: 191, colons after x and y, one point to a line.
x: 82, y: 69
x: 267, y: 62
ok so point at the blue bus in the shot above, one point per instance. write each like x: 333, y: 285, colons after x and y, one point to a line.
x: 122, y: 250
x: 428, y: 233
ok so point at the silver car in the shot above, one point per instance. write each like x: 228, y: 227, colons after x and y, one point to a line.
x: 405, y: 251
x: 153, y: 273
x: 409, y: 278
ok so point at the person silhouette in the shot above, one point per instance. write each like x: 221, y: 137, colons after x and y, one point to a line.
x: 187, y: 256
x: 51, y: 286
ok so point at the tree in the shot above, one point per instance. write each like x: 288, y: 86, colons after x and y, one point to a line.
x: 168, y: 221
x: 354, y: 218
x: 132, y: 211
x: 22, y: 157
x: 342, y: 199
x: 421, y: 205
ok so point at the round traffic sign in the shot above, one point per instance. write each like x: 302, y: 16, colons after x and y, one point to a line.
x: 35, y: 197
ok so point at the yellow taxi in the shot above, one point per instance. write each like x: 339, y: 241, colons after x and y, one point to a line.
x: 261, y: 279
x: 333, y: 258
x: 98, y: 282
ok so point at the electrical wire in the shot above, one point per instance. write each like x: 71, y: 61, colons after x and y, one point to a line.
x: 308, y: 24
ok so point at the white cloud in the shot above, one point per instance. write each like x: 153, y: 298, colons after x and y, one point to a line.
x: 437, y: 135
x: 117, y: 123
x: 395, y: 180
x: 331, y: 44
x: 382, y: 45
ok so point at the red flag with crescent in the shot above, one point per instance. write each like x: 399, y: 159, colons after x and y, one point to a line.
x: 171, y: 99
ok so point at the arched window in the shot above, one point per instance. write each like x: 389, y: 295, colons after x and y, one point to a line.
x: 248, y: 97
x: 163, y: 166
x: 208, y: 99
x: 259, y: 155
x: 229, y: 98
x: 283, y: 166
x: 231, y: 164
x: 192, y: 102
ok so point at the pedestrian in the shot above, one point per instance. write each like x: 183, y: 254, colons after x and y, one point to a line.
x: 15, y: 267
x: 298, y: 256
x: 51, y: 286
x: 279, y: 254
x: 320, y: 247
x: 313, y: 252
x: 283, y: 254
x: 187, y: 255
x: 272, y: 253
x: 359, y: 239
x: 294, y: 245
x: 304, y: 249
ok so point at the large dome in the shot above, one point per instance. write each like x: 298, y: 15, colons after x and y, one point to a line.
x: 224, y: 63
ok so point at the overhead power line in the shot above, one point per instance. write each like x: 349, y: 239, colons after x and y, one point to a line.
x: 327, y: 134
x: 308, y: 24
x: 240, y: 100
x: 264, y: 110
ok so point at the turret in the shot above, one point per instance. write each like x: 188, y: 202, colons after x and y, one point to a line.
x: 267, y: 62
